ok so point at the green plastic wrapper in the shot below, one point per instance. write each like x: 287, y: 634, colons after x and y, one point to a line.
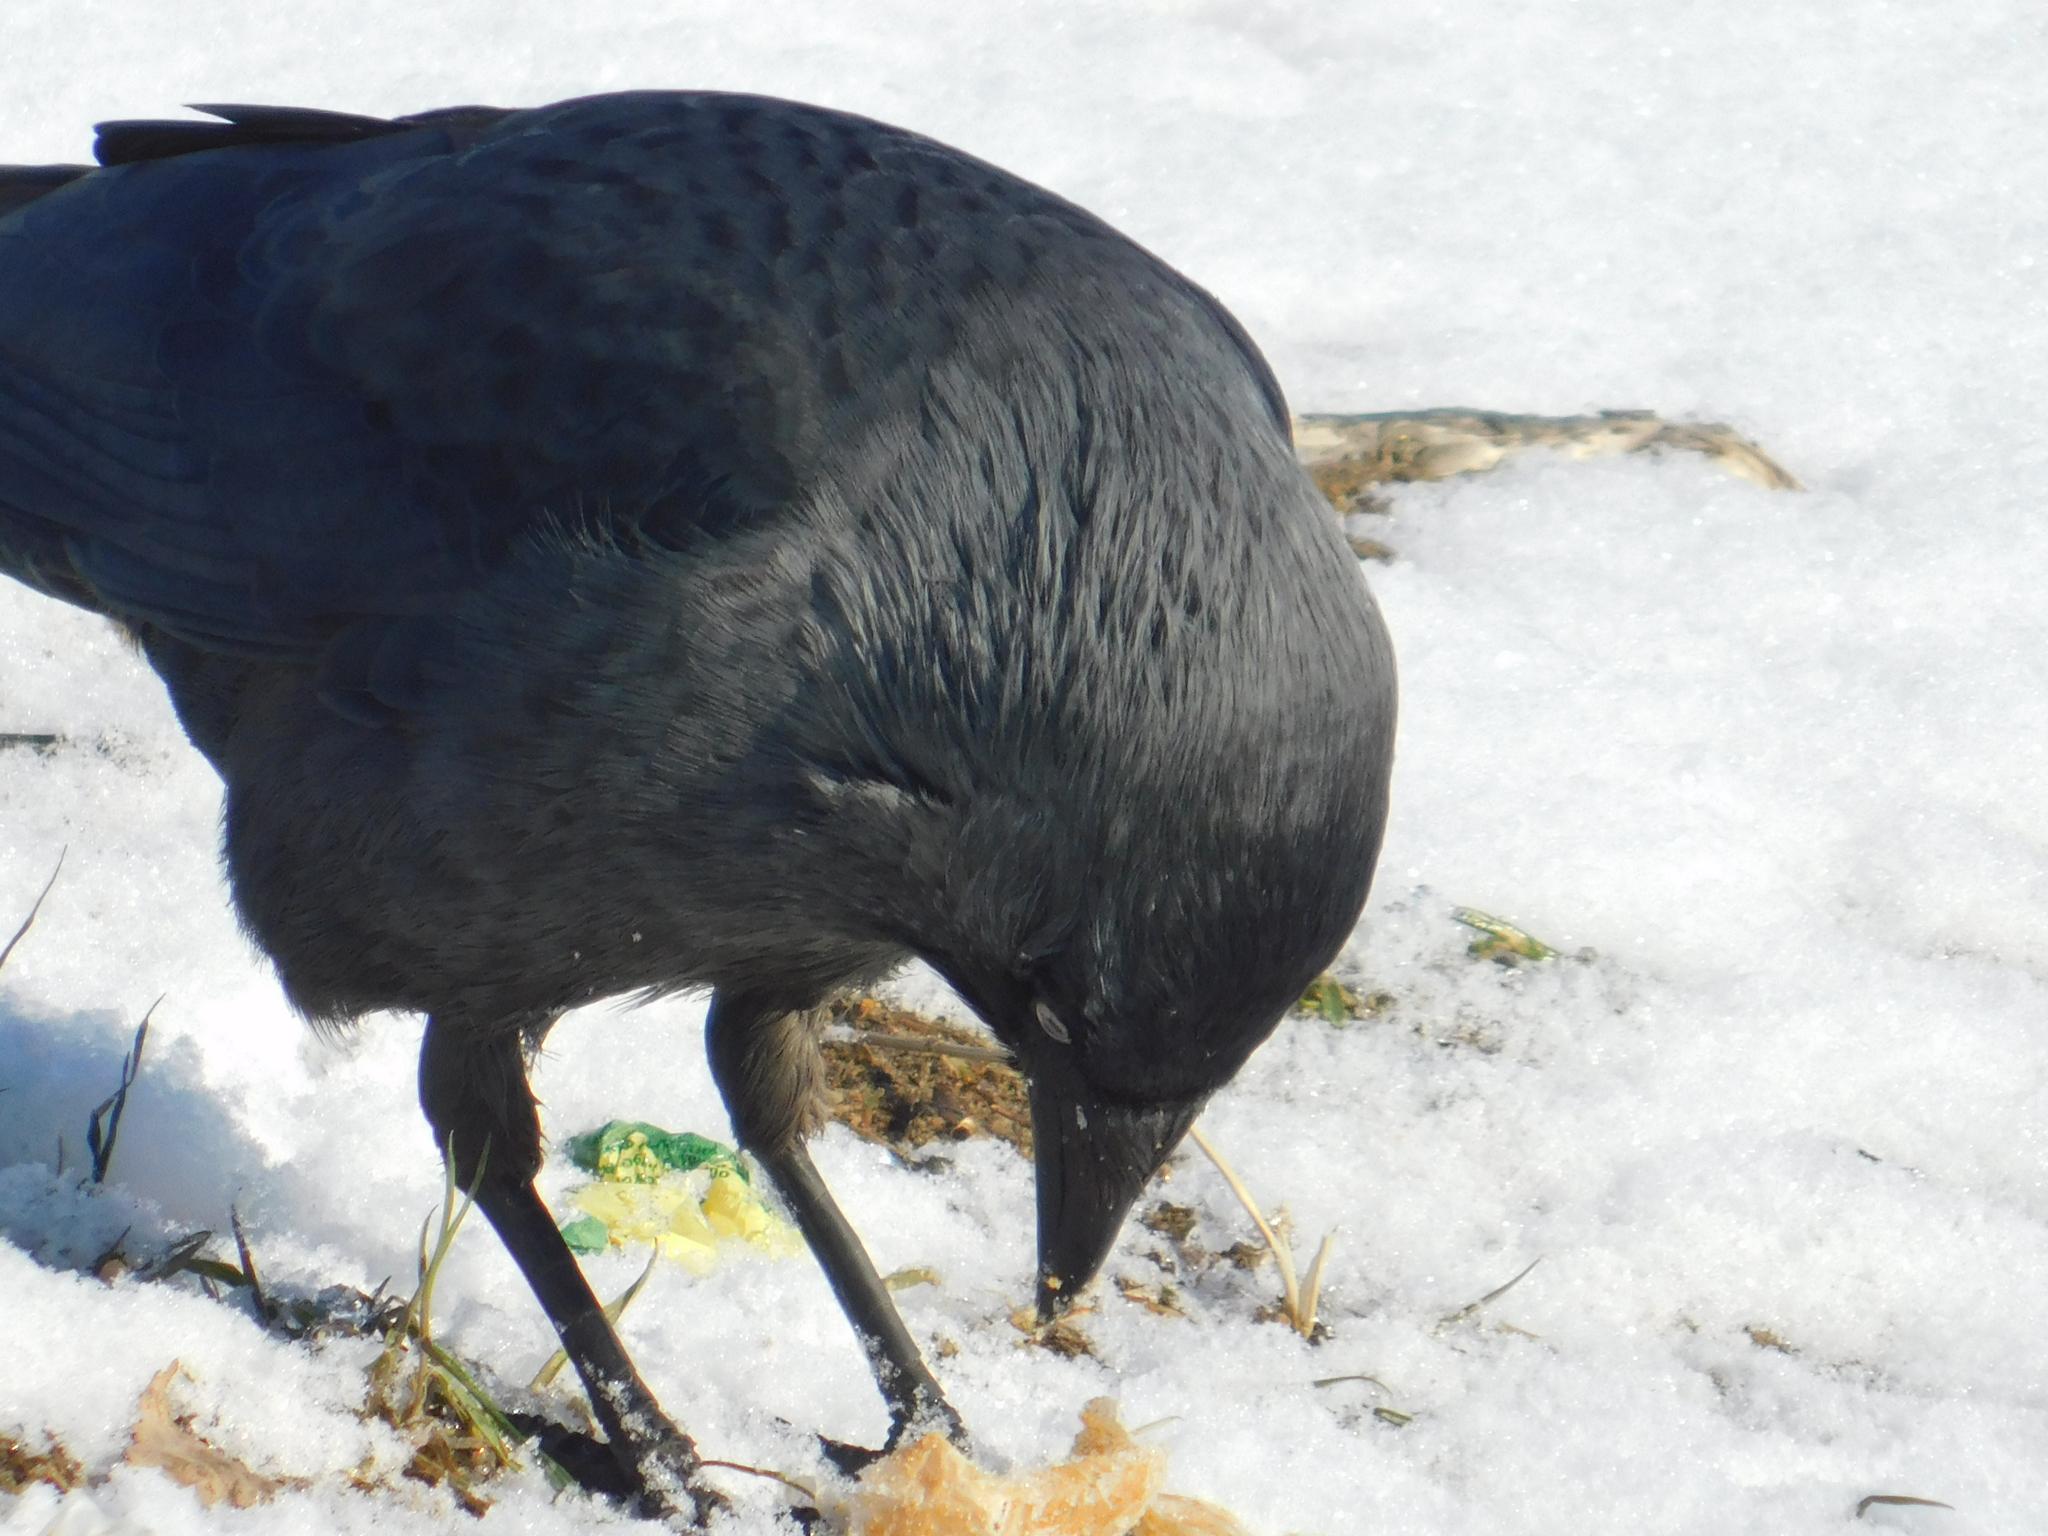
x: 686, y: 1194
x: 634, y: 1152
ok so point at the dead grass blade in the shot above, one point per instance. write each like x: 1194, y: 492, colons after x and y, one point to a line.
x: 30, y: 921
x: 105, y: 1123
x: 613, y: 1311
x: 1311, y: 1287
x: 1298, y: 1303
x: 248, y: 1271
x: 1897, y: 1498
x: 1384, y: 1412
x: 1495, y: 1294
x: 788, y: 1482
x: 1348, y: 455
x: 889, y: 1042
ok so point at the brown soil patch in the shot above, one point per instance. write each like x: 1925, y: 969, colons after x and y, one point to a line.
x: 908, y: 1098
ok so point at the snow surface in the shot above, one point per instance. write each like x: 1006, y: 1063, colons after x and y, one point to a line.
x: 1776, y: 758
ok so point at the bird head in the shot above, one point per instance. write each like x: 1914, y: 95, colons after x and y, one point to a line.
x: 1154, y: 970
x: 1110, y: 750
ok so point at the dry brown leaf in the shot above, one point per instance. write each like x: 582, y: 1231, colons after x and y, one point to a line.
x: 1160, y: 1300
x: 20, y: 1466
x: 1170, y: 1220
x: 1109, y: 1488
x: 164, y: 1438
x: 1063, y: 1336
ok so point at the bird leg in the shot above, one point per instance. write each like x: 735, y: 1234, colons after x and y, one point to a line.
x: 474, y: 1090
x: 913, y: 1395
x: 767, y: 1064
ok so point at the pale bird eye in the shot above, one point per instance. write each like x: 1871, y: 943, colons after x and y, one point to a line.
x: 1050, y: 1023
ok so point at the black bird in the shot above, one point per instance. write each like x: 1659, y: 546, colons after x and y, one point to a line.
x: 695, y: 540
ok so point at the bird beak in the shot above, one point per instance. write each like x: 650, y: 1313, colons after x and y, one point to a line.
x: 1093, y: 1161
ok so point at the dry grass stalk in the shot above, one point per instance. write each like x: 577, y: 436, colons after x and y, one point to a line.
x: 1470, y: 1308
x: 105, y: 1123
x: 1348, y: 455
x: 1869, y: 1499
x: 933, y: 1047
x: 1384, y: 1412
x: 1298, y: 1296
x: 30, y: 921
x: 783, y: 1478
x: 613, y: 1311
x: 1161, y: 1300
x: 460, y: 1436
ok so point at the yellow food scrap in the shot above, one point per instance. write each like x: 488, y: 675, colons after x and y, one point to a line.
x: 1173, y: 1515
x: 731, y: 1209
x: 930, y: 1489
x: 1111, y: 1487
x: 686, y: 1215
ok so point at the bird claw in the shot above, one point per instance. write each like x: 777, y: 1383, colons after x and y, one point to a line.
x: 851, y: 1460
x: 666, y: 1474
x: 904, y: 1427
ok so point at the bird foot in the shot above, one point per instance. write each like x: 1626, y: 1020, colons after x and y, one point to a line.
x: 851, y: 1460
x: 921, y: 1418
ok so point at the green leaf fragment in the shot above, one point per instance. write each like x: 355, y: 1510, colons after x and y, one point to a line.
x: 586, y: 1234
x: 1329, y: 999
x: 1502, y: 940
x: 634, y: 1152
x: 214, y: 1269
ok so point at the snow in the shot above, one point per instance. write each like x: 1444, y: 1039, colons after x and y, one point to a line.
x: 1775, y: 758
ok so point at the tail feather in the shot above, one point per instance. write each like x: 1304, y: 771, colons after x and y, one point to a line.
x: 124, y: 143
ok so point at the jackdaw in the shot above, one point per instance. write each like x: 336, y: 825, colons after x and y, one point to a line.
x: 675, y: 540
